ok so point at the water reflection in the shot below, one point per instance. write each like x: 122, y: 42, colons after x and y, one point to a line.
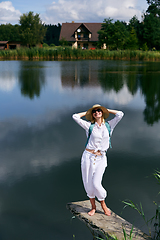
x: 7, y: 82
x: 79, y: 73
x: 150, y: 88
x: 119, y: 77
x: 31, y: 78
x: 8, y: 76
x: 41, y: 146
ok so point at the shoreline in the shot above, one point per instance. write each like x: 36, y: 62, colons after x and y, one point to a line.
x: 67, y: 53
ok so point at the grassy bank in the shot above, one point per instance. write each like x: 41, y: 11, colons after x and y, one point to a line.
x: 67, y: 53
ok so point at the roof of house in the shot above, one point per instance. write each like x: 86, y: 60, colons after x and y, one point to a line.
x: 68, y: 30
x: 3, y: 42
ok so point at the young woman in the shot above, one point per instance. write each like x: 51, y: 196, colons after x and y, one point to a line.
x: 94, y: 160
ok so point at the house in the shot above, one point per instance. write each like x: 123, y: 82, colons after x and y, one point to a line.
x: 3, y: 45
x: 80, y: 35
x: 6, y: 45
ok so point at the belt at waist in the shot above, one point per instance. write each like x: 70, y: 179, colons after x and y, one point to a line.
x: 93, y: 152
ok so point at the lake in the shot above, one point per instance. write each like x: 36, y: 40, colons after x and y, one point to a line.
x: 41, y: 145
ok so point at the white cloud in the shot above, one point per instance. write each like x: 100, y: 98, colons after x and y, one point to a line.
x: 8, y: 14
x: 91, y: 10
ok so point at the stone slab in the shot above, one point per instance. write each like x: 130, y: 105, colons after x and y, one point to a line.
x: 103, y: 226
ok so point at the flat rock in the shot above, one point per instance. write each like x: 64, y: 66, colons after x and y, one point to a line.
x: 104, y: 226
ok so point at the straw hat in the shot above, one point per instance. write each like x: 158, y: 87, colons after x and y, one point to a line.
x: 89, y: 116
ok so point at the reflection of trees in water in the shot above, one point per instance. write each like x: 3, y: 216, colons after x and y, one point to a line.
x: 146, y: 79
x: 78, y: 73
x: 111, y: 81
x: 132, y: 84
x: 31, y: 79
x: 115, y: 75
x: 151, y: 90
x: 115, y: 78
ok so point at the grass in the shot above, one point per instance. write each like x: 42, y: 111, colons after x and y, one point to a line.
x: 67, y: 53
x: 154, y: 222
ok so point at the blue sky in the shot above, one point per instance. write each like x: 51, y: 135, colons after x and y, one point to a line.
x: 58, y: 11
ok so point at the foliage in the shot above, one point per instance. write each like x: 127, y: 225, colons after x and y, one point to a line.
x: 135, y: 34
x: 114, y: 35
x: 125, y: 235
x: 32, y: 30
x: 52, y: 34
x: 52, y: 45
x: 132, y: 42
x: 151, y: 31
x: 45, y: 45
x: 145, y: 47
x: 9, y: 32
x: 63, y: 42
x: 154, y: 7
x: 58, y: 53
x: 106, y: 32
x: 155, y: 220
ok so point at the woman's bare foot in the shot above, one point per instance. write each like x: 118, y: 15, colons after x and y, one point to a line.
x: 105, y: 209
x: 92, y: 212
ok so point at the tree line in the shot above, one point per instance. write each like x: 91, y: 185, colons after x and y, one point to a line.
x: 30, y: 31
x: 144, y: 34
x: 134, y: 35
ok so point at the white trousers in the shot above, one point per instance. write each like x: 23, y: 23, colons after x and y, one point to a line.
x: 93, y: 167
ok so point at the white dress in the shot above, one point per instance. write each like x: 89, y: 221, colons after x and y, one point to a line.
x: 93, y: 166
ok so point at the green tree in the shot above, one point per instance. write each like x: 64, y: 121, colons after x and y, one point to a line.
x: 132, y: 42
x: 105, y: 34
x: 114, y: 35
x: 31, y: 29
x: 138, y: 27
x: 9, y: 32
x: 151, y: 31
x: 120, y: 35
x: 154, y: 7
x: 52, y: 34
x: 63, y: 42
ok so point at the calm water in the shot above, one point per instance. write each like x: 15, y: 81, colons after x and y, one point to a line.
x: 41, y: 146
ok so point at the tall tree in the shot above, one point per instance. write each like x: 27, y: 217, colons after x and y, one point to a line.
x: 31, y: 28
x: 105, y: 34
x: 120, y: 35
x: 154, y: 7
x: 114, y: 35
x: 132, y: 42
x: 151, y: 31
x: 9, y: 32
x: 135, y: 24
x: 52, y: 34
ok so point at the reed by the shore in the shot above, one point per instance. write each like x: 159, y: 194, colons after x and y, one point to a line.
x: 67, y: 53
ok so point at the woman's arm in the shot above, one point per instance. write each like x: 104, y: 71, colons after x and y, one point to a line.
x: 81, y: 114
x: 78, y: 118
x: 116, y: 119
x: 112, y: 111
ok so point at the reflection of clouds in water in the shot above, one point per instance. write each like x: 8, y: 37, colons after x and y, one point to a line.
x: 123, y: 97
x: 7, y: 83
x: 53, y: 77
x: 29, y: 148
x: 96, y: 94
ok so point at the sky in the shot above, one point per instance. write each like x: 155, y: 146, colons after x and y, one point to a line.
x: 59, y: 11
